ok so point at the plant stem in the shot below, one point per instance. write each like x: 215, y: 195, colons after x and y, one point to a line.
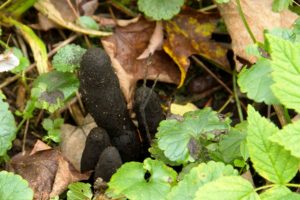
x: 264, y: 187
x: 245, y: 21
x: 282, y: 115
x: 237, y: 100
x: 293, y: 185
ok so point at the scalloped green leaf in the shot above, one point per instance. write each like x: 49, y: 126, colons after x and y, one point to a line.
x: 227, y: 188
x: 286, y: 71
x: 8, y: 127
x: 130, y: 181
x: 160, y: 9
x: 277, y: 193
x: 177, y: 138
x: 14, y: 187
x: 256, y: 82
x: 269, y: 159
x: 79, y: 191
x: 68, y: 58
x: 198, y: 177
x: 51, y: 90
x: 289, y: 138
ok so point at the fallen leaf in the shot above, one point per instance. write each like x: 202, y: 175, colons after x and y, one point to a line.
x: 103, y: 21
x: 125, y: 45
x: 89, y: 7
x: 190, y: 33
x: 47, y: 8
x: 8, y: 61
x: 259, y: 17
x: 46, y: 170
x: 178, y: 109
x: 73, y: 140
x: 155, y: 43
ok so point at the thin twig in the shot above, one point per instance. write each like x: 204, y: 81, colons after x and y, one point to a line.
x: 236, y: 96
x: 201, y: 64
x: 24, y: 137
x: 226, y: 104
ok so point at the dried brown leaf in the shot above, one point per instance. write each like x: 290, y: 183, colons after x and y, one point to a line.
x: 190, y: 33
x: 259, y: 16
x: 47, y: 171
x: 125, y: 45
x: 73, y: 140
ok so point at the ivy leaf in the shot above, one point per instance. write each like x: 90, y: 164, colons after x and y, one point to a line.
x: 280, y: 5
x: 174, y: 137
x: 276, y: 193
x: 286, y: 71
x: 227, y: 188
x: 68, y: 58
x: 51, y: 90
x: 129, y: 180
x: 53, y: 129
x: 289, y: 138
x: 88, y: 22
x: 257, y: 81
x: 160, y: 9
x: 79, y: 191
x: 198, y: 177
x: 8, y: 128
x: 269, y: 159
x: 14, y: 187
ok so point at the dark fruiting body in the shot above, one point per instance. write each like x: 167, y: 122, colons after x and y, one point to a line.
x: 148, y: 110
x: 103, y: 99
x: 95, y: 144
x: 109, y: 162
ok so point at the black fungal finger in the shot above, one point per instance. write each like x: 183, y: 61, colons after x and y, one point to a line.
x: 95, y: 144
x: 109, y: 162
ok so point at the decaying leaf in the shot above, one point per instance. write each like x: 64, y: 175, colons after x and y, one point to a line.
x: 73, y: 140
x: 125, y: 46
x: 46, y: 7
x: 190, y: 33
x: 46, y: 170
x: 259, y: 17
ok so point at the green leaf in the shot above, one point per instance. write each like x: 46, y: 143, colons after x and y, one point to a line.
x: 286, y: 71
x: 257, y: 81
x: 276, y: 193
x: 51, y: 90
x: 160, y: 9
x: 8, y: 128
x: 269, y: 159
x: 198, y: 177
x: 178, y: 138
x: 227, y: 188
x: 129, y: 180
x: 14, y: 187
x: 289, y: 138
x: 79, y: 191
x: 47, y: 124
x: 279, y: 5
x: 17, y: 7
x: 87, y: 22
x: 68, y: 58
x: 230, y: 145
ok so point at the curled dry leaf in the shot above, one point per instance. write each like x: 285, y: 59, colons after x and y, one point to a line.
x: 46, y: 170
x: 258, y: 22
x: 155, y: 43
x: 103, y: 21
x: 190, y: 33
x: 73, y: 140
x: 47, y: 8
x: 125, y: 45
